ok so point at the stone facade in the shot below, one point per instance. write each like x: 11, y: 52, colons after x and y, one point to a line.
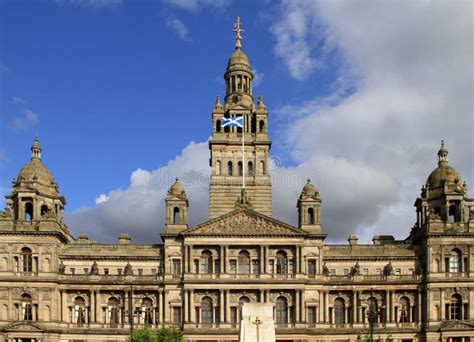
x: 54, y: 287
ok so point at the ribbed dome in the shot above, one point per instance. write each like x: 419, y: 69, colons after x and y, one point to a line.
x: 35, y: 171
x: 444, y: 173
x: 239, y: 61
x: 177, y: 188
x: 309, y: 189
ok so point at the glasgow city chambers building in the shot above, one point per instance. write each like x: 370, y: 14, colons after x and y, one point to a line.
x: 55, y: 287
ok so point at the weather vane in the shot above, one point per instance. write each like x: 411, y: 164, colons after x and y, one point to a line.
x: 238, y: 36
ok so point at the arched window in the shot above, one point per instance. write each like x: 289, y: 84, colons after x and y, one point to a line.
x: 455, y: 307
x: 218, y: 167
x: 455, y: 261
x: 339, y: 308
x: 147, y: 311
x: 26, y: 307
x: 281, y: 263
x: 230, y: 169
x: 242, y: 301
x: 44, y: 209
x: 244, y: 262
x: 262, y: 167
x: 176, y: 216
x: 310, y: 216
x: 113, y: 311
x: 206, y: 262
x: 79, y: 311
x: 28, y: 211
x: 206, y: 310
x: 453, y: 213
x: 261, y: 126
x: 374, y: 306
x: 281, y: 311
x: 26, y: 260
x: 404, y: 308
x: 250, y: 168
x: 239, y: 167
x: 218, y: 126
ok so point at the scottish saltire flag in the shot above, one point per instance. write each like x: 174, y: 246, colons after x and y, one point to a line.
x: 232, y: 122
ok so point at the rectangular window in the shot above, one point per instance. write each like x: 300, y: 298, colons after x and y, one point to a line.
x: 153, y: 271
x: 332, y: 271
x: 233, y: 266
x: 233, y: 316
x: 106, y: 271
x: 119, y: 271
x: 271, y: 266
x: 398, y: 271
x: 196, y: 266
x: 177, y: 315
x: 378, y: 271
x: 311, y: 314
x: 73, y: 270
x: 291, y: 266
x: 411, y: 271
x: 255, y: 267
x: 140, y: 272
x: 365, y: 271
x: 217, y: 266
x: 311, y: 267
x: 346, y: 271
x: 86, y: 270
x: 176, y: 267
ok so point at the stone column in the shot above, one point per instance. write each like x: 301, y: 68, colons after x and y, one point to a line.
x: 354, y: 306
x: 92, y: 305
x: 160, y: 306
x: 297, y: 261
x: 221, y: 306
x: 441, y: 309
x: 226, y: 259
x: 303, y: 306
x: 297, y: 305
x: 221, y: 258
x: 419, y: 307
x: 191, y: 306
x: 227, y: 306
x: 186, y: 260
x: 326, y: 306
x: 266, y: 259
x: 186, y: 312
x: 63, y: 305
x: 262, y: 263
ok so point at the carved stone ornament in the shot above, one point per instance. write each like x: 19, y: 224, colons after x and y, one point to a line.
x: 244, y: 222
x: 24, y: 326
x: 32, y: 291
x: 456, y: 325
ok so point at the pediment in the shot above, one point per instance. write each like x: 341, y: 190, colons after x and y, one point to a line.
x: 244, y: 222
x: 456, y: 325
x: 24, y: 326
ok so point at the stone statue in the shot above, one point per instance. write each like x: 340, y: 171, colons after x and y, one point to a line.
x: 61, y: 268
x: 94, y: 269
x: 128, y: 271
x: 325, y: 270
x: 434, y: 216
x: 243, y: 201
x: 50, y: 214
x: 6, y: 214
x: 388, y: 269
x: 355, y: 270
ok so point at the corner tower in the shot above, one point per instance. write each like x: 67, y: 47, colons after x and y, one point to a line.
x: 239, y: 155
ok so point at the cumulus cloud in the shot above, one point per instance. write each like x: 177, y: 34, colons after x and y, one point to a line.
x: 140, y: 209
x: 257, y: 77
x: 413, y: 83
x: 180, y: 28
x: 25, y: 121
x: 194, y: 5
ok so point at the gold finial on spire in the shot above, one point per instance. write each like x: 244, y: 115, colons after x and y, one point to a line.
x: 238, y: 36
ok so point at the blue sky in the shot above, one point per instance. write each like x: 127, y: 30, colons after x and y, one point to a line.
x: 116, y: 87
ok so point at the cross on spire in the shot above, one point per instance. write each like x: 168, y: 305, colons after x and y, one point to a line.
x: 238, y: 37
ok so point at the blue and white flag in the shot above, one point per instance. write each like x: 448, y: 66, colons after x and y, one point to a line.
x: 232, y: 122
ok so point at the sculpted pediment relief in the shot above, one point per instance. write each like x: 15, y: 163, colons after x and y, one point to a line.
x: 244, y: 222
x: 24, y: 326
x: 456, y: 325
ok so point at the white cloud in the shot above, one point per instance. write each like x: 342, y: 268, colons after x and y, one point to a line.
x: 194, y: 5
x: 413, y: 84
x: 90, y: 3
x: 257, y: 78
x: 140, y: 209
x: 27, y: 120
x: 179, y: 27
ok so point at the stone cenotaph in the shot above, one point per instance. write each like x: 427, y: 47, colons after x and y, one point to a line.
x: 257, y: 323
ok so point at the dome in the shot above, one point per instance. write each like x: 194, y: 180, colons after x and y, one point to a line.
x: 239, y: 61
x: 309, y: 189
x: 35, y: 171
x: 177, y: 188
x: 444, y: 173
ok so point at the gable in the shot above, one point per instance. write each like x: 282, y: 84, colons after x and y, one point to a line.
x: 244, y: 222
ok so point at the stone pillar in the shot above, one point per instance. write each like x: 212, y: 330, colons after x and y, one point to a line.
x: 63, y: 306
x: 303, y: 306
x: 392, y: 307
x: 262, y: 298
x: 266, y: 259
x: 186, y: 260
x: 221, y: 306
x: 262, y: 258
x: 326, y: 306
x: 354, y: 306
x: 419, y: 307
x: 441, y: 309
x: 92, y: 305
x: 221, y: 258
x: 297, y: 260
x: 186, y: 302
x: 297, y: 305
x: 191, y: 306
x: 227, y: 306
x: 226, y: 260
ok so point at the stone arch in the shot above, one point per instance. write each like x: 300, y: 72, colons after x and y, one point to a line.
x: 176, y: 216
x: 28, y: 211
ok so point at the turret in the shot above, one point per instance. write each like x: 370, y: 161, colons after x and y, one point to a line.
x: 176, y: 208
x: 309, y: 209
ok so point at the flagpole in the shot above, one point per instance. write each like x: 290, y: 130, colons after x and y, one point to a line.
x: 243, y: 151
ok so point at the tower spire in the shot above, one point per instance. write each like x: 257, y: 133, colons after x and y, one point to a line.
x: 36, y: 149
x: 442, y: 154
x: 238, y: 37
